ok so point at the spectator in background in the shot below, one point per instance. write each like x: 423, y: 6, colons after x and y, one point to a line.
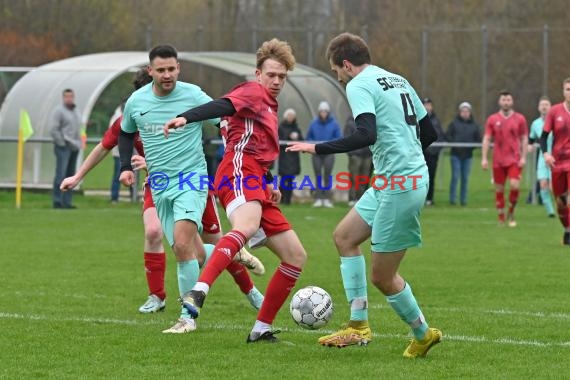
x: 66, y: 133
x: 289, y: 163
x: 359, y: 164
x: 323, y: 128
x: 462, y: 129
x: 431, y: 154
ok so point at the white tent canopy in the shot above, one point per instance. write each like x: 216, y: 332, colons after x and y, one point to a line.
x: 39, y: 92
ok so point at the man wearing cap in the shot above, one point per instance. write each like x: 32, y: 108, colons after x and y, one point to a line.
x: 323, y: 128
x: 431, y: 154
x: 462, y: 129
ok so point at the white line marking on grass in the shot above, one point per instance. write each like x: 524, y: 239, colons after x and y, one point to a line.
x: 72, y: 295
x: 235, y: 327
x: 481, y: 222
x: 533, y: 314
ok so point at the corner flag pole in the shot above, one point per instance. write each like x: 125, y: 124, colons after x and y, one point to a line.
x: 19, y: 168
x: 25, y: 131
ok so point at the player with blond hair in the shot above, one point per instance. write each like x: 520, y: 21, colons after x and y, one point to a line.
x: 243, y: 183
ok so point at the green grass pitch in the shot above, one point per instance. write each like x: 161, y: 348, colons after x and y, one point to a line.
x: 71, y: 283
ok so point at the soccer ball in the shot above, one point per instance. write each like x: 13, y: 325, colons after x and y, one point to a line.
x: 311, y: 307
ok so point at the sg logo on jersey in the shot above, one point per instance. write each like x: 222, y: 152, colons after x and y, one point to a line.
x: 388, y: 83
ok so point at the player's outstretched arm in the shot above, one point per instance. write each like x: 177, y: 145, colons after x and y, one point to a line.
x: 302, y: 147
x: 97, y: 155
x: 211, y: 110
x: 126, y: 145
x: 364, y: 135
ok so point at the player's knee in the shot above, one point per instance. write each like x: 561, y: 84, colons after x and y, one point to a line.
x: 248, y: 229
x: 379, y: 282
x: 153, y: 234
x: 298, y: 257
x: 386, y: 284
x: 184, y: 250
x: 340, y: 238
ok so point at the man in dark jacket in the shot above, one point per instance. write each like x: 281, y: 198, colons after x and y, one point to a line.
x: 359, y: 164
x: 462, y: 130
x: 289, y: 163
x: 431, y: 154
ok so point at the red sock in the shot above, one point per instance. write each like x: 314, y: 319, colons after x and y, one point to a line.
x: 500, y: 201
x: 278, y: 290
x: 155, y: 266
x: 513, y: 198
x: 241, y: 276
x: 228, y: 246
x: 564, y: 215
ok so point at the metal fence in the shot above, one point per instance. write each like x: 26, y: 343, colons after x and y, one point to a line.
x: 33, y: 166
x: 450, y: 65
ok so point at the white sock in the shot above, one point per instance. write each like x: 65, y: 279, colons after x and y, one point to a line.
x: 261, y: 327
x: 202, y: 287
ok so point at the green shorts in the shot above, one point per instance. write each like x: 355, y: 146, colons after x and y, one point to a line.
x: 175, y: 205
x: 393, y: 217
x: 542, y: 171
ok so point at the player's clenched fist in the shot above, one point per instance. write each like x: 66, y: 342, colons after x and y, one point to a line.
x: 69, y: 183
x: 127, y: 178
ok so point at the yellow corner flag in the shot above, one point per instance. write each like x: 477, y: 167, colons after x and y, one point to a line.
x: 26, y: 125
x: 83, y: 136
x: 24, y: 133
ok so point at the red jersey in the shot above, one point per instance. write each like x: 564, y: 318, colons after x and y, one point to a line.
x: 558, y: 122
x: 111, y: 137
x: 253, y: 129
x: 506, y: 133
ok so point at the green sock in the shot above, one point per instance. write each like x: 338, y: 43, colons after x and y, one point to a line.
x: 187, y: 272
x: 353, y: 271
x: 209, y: 248
x: 405, y: 305
x: 547, y: 201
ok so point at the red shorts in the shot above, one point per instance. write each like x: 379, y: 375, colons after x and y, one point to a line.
x: 147, y: 198
x: 210, y: 218
x: 241, y: 180
x: 501, y: 173
x: 560, y: 182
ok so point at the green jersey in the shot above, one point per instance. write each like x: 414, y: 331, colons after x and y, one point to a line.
x: 181, y: 155
x: 536, y: 132
x: 397, y: 152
